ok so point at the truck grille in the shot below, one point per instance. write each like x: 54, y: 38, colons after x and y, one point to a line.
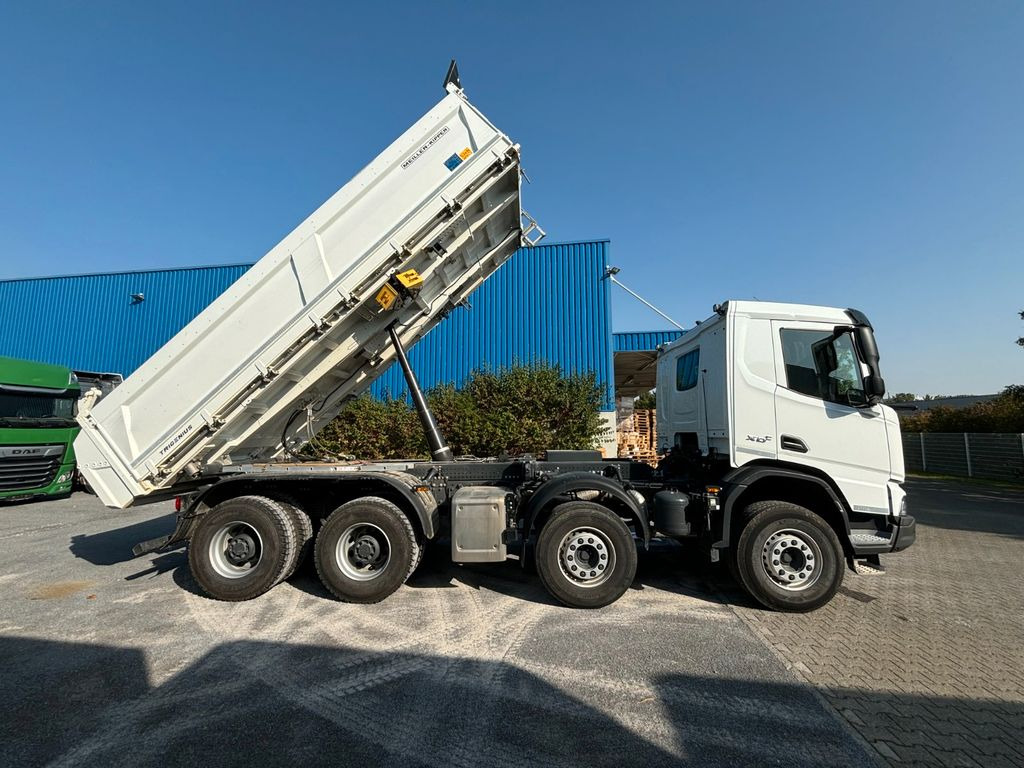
x: 24, y: 467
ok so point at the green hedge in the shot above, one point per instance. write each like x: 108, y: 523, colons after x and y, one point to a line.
x: 523, y: 409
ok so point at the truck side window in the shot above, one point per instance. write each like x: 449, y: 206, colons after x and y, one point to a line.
x: 687, y: 368
x: 823, y: 365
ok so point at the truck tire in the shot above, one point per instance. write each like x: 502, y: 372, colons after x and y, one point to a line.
x: 586, y: 556
x: 788, y: 558
x: 366, y: 550
x: 421, y: 550
x: 242, y: 548
x: 303, y: 527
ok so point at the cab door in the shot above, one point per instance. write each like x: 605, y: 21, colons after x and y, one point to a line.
x: 821, y: 413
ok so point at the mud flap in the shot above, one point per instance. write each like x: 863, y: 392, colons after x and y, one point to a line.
x: 150, y: 545
x: 180, y: 535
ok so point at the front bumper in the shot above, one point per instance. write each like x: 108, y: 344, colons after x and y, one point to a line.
x: 897, y: 534
x: 905, y: 532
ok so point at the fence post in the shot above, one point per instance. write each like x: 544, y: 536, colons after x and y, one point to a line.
x: 967, y: 451
x: 924, y: 461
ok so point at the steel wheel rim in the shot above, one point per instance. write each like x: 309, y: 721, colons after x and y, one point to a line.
x: 236, y: 550
x: 791, y: 559
x: 586, y: 557
x: 363, y: 552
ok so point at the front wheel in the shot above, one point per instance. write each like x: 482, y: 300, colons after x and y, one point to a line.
x: 788, y: 558
x: 586, y: 557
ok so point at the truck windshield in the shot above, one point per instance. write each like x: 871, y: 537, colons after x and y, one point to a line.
x: 22, y: 407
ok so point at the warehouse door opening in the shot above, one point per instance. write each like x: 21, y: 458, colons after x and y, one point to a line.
x: 636, y: 368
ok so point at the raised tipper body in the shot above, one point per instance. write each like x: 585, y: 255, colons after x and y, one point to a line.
x: 307, y: 326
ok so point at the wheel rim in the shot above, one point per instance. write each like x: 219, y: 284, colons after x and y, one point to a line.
x: 363, y: 552
x: 236, y: 549
x: 792, y: 560
x: 586, y: 557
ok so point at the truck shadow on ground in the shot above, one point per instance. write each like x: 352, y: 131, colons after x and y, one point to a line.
x: 252, y: 703
x: 664, y: 568
x: 508, y: 579
x: 115, y: 546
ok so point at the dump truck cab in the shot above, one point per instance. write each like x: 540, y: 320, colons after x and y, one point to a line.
x: 782, y: 403
x: 38, y: 403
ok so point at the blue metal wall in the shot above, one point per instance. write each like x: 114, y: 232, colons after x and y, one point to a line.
x: 91, y: 323
x: 642, y: 341
x: 550, y: 302
x: 545, y: 303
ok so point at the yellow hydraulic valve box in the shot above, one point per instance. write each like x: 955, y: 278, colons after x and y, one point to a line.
x: 401, y: 284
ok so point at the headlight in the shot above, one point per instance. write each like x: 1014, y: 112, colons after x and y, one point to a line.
x: 64, y: 477
x: 903, y: 506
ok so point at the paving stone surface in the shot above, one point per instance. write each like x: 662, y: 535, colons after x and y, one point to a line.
x: 926, y: 660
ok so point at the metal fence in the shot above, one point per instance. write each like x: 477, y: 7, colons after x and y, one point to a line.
x: 998, y: 456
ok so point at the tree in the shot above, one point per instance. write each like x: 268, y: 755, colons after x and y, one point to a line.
x: 645, y: 401
x: 901, y: 397
x: 1014, y: 393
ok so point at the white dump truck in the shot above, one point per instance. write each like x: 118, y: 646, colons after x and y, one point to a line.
x: 779, y: 457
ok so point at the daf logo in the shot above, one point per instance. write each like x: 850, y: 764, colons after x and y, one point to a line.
x: 29, y: 451
x: 758, y: 438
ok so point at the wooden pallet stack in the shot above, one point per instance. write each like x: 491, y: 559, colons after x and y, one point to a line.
x: 637, y: 437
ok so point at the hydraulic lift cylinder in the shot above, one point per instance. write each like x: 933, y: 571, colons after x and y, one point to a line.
x: 439, y: 450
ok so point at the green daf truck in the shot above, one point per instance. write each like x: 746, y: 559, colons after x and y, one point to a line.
x: 38, y: 403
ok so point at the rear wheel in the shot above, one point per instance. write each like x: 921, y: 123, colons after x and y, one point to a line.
x: 242, y: 548
x: 586, y: 557
x: 788, y: 558
x: 366, y: 550
x: 303, y: 527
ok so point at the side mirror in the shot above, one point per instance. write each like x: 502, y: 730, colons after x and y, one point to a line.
x: 874, y: 389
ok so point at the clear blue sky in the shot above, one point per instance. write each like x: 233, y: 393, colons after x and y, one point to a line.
x: 866, y: 154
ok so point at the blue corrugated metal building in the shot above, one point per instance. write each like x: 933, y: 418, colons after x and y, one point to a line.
x: 109, y: 323
x: 643, y: 341
x: 550, y: 302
